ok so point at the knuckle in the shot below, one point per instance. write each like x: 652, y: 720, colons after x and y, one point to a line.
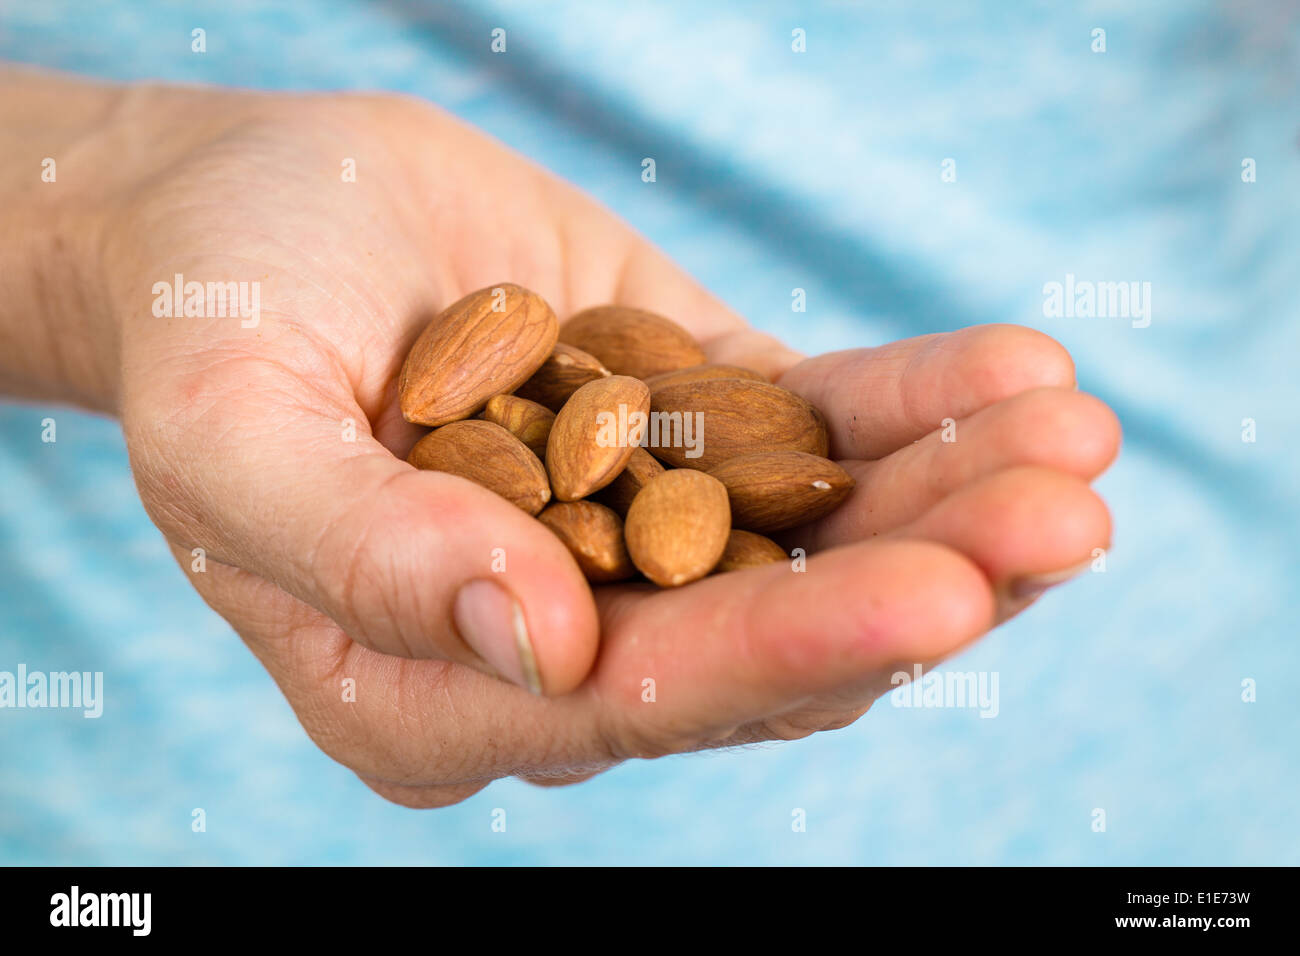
x: 562, y: 778
x: 649, y: 739
x: 395, y: 737
x: 845, y: 719
x: 629, y: 739
x: 312, y: 686
x: 422, y: 798
x: 787, y: 728
x: 331, y: 736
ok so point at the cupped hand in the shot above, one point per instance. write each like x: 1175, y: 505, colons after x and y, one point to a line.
x: 368, y: 589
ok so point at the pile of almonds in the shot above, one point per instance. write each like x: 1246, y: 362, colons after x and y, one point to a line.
x: 673, y: 513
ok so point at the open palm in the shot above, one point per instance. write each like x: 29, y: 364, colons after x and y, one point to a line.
x: 340, y: 565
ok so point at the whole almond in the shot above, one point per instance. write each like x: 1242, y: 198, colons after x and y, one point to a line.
x: 677, y: 527
x: 529, y: 422
x: 774, y: 490
x: 730, y: 417
x: 565, y: 371
x: 594, y: 536
x: 589, y: 445
x: 631, y: 341
x: 702, y: 373
x: 487, y: 343
x: 640, y: 468
x: 747, y: 550
x: 488, y: 455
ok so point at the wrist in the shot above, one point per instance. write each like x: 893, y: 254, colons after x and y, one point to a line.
x: 58, y: 335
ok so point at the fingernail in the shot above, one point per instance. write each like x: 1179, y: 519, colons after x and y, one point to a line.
x: 492, y: 623
x: 1032, y: 585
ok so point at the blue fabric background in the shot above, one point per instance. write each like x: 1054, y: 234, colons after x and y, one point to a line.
x: 776, y: 170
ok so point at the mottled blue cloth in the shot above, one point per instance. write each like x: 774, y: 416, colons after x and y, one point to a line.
x: 822, y: 170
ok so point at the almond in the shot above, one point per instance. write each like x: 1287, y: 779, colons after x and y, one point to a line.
x: 730, y: 417
x: 594, y: 435
x: 631, y: 341
x: 594, y: 536
x: 774, y: 490
x: 641, y: 467
x: 488, y: 455
x: 677, y: 527
x: 489, y: 342
x: 565, y: 371
x: 747, y: 550
x: 702, y: 373
x: 527, y: 421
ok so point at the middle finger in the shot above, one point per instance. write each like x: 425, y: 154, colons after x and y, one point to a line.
x: 1055, y: 428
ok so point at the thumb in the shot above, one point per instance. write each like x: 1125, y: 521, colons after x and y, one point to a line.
x: 410, y: 563
x: 425, y: 564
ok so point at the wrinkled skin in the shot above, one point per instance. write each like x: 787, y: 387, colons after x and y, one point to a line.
x: 335, y: 559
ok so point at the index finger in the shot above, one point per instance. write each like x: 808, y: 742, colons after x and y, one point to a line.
x: 876, y: 400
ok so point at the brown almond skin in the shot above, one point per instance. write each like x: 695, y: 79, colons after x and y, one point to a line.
x: 702, y: 373
x: 631, y: 341
x: 774, y: 490
x: 594, y: 536
x: 565, y: 371
x: 575, y: 460
x: 678, y: 526
x: 739, y: 416
x: 748, y: 550
x: 529, y: 422
x: 469, y: 352
x: 487, y: 455
x: 640, y: 468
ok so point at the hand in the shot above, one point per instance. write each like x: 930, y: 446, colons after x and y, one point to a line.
x: 333, y: 559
